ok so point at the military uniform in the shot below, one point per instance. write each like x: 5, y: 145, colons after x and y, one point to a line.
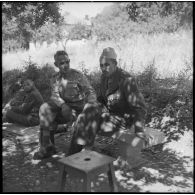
x: 71, y: 91
x: 24, y: 108
x: 125, y: 106
x: 123, y: 99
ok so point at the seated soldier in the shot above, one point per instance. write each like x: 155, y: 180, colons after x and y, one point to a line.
x: 23, y: 109
x: 124, y: 103
x: 71, y: 95
x: 17, y: 92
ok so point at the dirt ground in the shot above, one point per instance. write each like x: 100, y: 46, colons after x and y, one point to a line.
x: 164, y: 171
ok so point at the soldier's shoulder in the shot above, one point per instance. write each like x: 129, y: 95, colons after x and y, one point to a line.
x: 76, y: 72
x: 55, y: 75
x: 36, y: 92
x: 125, y: 76
x: 125, y: 73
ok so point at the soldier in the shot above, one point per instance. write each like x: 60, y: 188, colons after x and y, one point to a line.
x: 124, y: 103
x: 71, y: 95
x: 120, y: 94
x: 24, y: 107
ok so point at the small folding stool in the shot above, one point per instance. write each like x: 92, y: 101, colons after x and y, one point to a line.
x: 86, y: 164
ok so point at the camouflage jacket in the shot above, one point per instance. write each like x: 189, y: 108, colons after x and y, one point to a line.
x: 71, y: 88
x: 120, y: 93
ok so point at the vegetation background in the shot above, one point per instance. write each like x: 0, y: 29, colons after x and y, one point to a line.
x: 153, y: 41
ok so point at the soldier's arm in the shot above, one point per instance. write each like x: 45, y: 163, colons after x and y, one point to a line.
x: 55, y: 94
x: 133, y: 96
x: 88, y: 90
x: 29, y: 102
x: 38, y: 97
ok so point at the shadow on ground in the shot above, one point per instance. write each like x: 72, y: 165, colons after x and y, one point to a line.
x: 156, y: 172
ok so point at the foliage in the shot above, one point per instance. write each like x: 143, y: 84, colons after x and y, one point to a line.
x: 169, y: 101
x: 93, y: 77
x: 80, y: 31
x: 143, y: 11
x: 75, y: 32
x: 52, y: 32
x: 120, y: 20
x: 41, y: 21
x: 111, y: 24
x: 22, y: 19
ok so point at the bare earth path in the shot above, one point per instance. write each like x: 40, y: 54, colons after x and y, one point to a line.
x: 165, y: 171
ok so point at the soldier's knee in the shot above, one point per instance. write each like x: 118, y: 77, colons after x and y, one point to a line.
x: 46, y: 116
x: 43, y: 108
x: 139, y: 126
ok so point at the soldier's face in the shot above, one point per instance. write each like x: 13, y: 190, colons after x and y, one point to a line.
x: 28, y: 85
x: 63, y: 63
x: 107, y: 66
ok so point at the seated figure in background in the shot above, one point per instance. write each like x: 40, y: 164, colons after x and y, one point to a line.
x: 24, y: 107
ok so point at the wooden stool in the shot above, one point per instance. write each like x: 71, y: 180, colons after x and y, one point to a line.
x: 87, y: 164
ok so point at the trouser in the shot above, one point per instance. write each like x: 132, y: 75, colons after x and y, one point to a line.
x: 20, y: 118
x: 50, y: 116
x: 92, y: 122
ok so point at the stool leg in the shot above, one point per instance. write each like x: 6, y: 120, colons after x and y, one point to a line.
x: 86, y: 184
x: 62, y: 179
x: 111, y: 178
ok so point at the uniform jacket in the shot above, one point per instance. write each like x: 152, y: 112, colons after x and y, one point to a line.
x: 71, y: 88
x: 120, y: 93
x: 31, y: 103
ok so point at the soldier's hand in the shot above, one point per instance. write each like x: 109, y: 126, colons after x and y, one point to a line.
x: 89, y: 105
x: 66, y: 111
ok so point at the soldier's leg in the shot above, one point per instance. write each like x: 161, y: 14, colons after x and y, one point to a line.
x: 33, y: 120
x: 110, y: 124
x: 47, y: 117
x: 14, y: 117
x: 65, y: 118
x: 139, y: 124
x: 85, y: 128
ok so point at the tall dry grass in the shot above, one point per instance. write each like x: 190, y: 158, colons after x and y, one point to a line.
x: 169, y: 52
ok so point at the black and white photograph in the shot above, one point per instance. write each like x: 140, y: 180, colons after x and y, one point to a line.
x: 97, y: 97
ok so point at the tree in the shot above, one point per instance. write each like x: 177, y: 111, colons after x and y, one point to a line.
x: 77, y: 31
x: 111, y: 24
x: 118, y: 21
x: 28, y: 17
x: 80, y: 31
x: 144, y: 11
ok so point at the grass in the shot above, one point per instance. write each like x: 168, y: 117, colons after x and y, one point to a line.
x: 168, y: 51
